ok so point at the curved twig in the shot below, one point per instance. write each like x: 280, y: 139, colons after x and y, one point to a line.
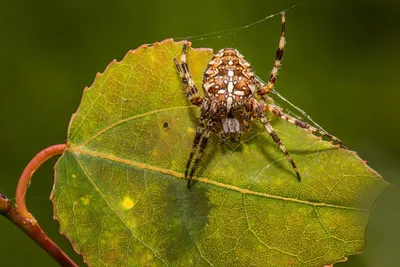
x: 26, y: 177
x: 20, y: 215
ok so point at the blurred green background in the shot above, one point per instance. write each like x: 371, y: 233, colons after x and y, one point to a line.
x: 341, y: 65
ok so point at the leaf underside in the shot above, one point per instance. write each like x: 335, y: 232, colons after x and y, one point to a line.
x: 121, y: 198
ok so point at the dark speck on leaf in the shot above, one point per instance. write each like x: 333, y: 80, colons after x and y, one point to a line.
x: 165, y: 125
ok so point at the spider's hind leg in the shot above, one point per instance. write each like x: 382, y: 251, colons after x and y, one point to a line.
x: 259, y: 110
x: 277, y: 112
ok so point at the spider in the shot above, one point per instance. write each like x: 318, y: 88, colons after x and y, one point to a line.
x: 229, y: 103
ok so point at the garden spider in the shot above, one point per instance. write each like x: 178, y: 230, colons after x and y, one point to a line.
x: 228, y: 105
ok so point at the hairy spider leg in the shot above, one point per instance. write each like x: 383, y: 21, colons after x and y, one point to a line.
x: 202, y: 134
x: 259, y: 110
x: 278, y: 58
x: 196, y: 141
x: 202, y: 146
x: 277, y: 112
x: 191, y: 90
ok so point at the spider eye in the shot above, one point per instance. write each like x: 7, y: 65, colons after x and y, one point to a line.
x: 165, y: 125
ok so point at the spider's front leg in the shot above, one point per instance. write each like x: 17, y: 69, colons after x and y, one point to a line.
x: 278, y: 58
x: 191, y: 90
x: 277, y: 112
x: 258, y: 108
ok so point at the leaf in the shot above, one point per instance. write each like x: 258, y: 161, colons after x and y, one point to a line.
x: 121, y: 198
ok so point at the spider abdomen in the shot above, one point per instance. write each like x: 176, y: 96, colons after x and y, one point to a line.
x: 229, y: 80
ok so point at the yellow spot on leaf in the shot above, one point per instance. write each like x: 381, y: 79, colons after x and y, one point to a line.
x: 128, y: 203
x: 73, y: 176
x: 190, y: 130
x: 85, y: 200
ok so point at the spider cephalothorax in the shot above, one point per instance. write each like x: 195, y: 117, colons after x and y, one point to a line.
x: 229, y: 103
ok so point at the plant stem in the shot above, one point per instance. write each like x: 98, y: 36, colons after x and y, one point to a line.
x: 26, y: 177
x: 20, y: 215
x: 33, y: 230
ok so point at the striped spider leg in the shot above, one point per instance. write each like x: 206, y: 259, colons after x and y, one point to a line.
x: 192, y: 93
x: 258, y: 108
x: 191, y: 90
x: 277, y: 111
x: 278, y: 58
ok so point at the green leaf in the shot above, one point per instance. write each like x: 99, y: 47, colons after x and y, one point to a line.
x: 121, y: 198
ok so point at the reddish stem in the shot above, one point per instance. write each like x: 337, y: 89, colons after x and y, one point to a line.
x: 20, y: 215
x: 26, y: 177
x: 33, y: 230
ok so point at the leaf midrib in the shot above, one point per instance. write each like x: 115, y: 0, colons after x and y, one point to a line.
x: 205, y: 180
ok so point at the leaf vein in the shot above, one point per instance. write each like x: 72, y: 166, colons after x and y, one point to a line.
x: 126, y: 120
x: 207, y: 181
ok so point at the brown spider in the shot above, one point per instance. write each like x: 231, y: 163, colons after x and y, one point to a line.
x: 228, y: 105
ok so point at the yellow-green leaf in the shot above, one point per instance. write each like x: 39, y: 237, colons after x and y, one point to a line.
x: 121, y: 198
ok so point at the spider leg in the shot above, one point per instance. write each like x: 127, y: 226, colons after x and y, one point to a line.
x: 259, y: 110
x: 277, y: 112
x: 191, y: 90
x: 202, y: 146
x: 196, y: 142
x: 199, y: 144
x: 278, y: 58
x: 248, y: 112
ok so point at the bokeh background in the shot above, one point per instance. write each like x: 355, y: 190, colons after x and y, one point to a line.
x: 341, y: 65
